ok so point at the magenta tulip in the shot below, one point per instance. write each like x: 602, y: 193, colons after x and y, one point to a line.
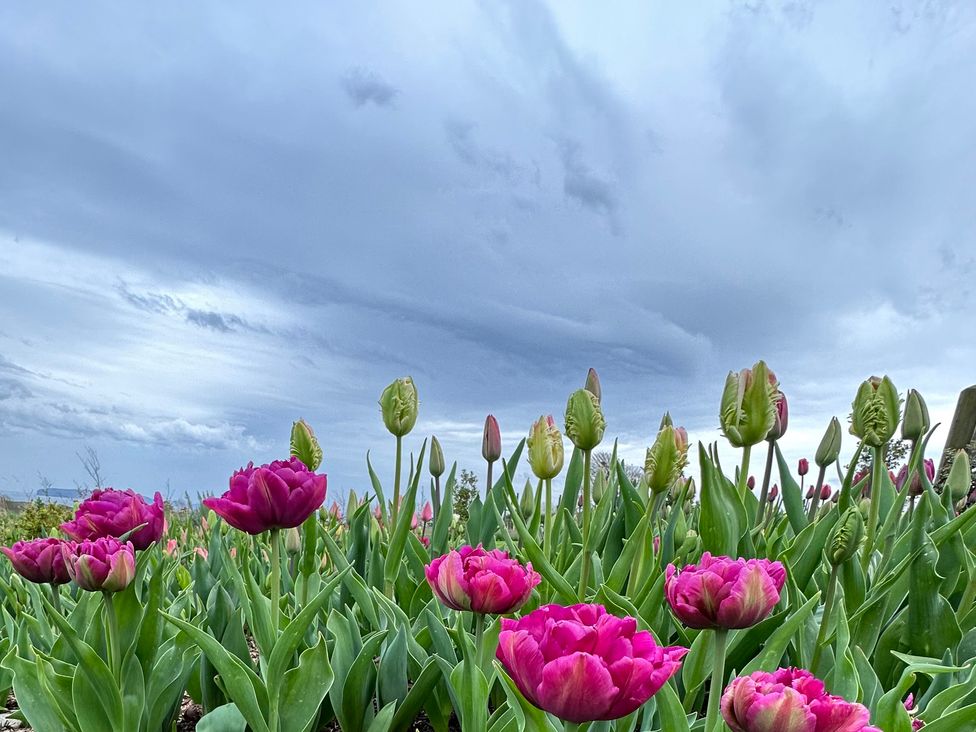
x: 724, y: 593
x: 915, y: 488
x: 803, y: 467
x: 790, y: 700
x: 279, y: 495
x: 109, y: 512
x: 481, y: 581
x: 39, y: 560
x: 825, y: 492
x: 773, y: 493
x: 491, y: 442
x: 102, y: 565
x: 427, y: 513
x: 582, y: 664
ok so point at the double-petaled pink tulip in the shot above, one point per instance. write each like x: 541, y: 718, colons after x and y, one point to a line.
x: 102, y: 565
x: 481, y: 581
x: 790, y: 700
x: 582, y: 664
x: 720, y: 592
x: 279, y: 495
x: 39, y: 560
x: 109, y: 512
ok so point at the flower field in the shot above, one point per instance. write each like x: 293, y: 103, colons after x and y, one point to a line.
x: 755, y: 599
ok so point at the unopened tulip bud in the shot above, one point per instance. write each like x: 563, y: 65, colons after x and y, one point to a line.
x: 399, y: 405
x: 960, y: 477
x: 810, y: 491
x: 527, y: 503
x: 436, y: 462
x: 825, y: 492
x: 875, y: 411
x: 836, y: 497
x: 845, y: 537
x: 352, y: 503
x: 916, y: 422
x: 427, y: 512
x: 782, y: 417
x: 305, y: 446
x: 599, y: 486
x: 491, y: 442
x: 666, y: 458
x: 584, y: 419
x: 773, y: 494
x: 829, y: 445
x: 748, y: 410
x: 592, y: 384
x: 293, y: 541
x: 751, y: 483
x: 545, y: 445
x: 803, y: 467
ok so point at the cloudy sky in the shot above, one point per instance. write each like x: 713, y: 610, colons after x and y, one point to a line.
x: 217, y: 218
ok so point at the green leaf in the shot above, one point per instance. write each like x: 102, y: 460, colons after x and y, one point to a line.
x: 772, y: 653
x: 529, y: 717
x: 304, y: 687
x: 394, y: 552
x: 227, y: 718
x: 358, y: 687
x: 722, y: 521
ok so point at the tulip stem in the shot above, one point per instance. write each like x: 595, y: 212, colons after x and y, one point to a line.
x: 56, y: 598
x: 437, y: 496
x: 744, y: 470
x: 275, y: 581
x: 825, y: 618
x: 396, y: 482
x: 718, y: 680
x: 585, y: 559
x: 815, y: 501
x: 112, y: 636
x: 546, y: 529
x: 479, y: 633
x: 877, y: 471
x: 761, y: 508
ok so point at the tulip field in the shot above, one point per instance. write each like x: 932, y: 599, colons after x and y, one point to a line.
x: 752, y: 598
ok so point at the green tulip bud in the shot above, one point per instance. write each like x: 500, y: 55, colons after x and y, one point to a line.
x: 592, y: 384
x: 584, y: 419
x: 599, y: 485
x: 666, y: 458
x: 845, y: 537
x: 352, y: 504
x: 829, y: 448
x: 545, y: 445
x: 436, y: 462
x: 748, y: 408
x: 398, y: 403
x: 875, y: 411
x: 960, y: 476
x: 183, y: 577
x: 527, y: 503
x: 916, y: 422
x: 293, y: 541
x: 304, y: 446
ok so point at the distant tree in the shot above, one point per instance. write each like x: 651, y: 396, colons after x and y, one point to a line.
x: 93, y: 467
x: 895, y: 454
x: 465, y: 490
x: 600, y: 463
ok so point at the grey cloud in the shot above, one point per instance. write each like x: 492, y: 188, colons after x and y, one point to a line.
x: 363, y: 87
x: 584, y: 186
x: 461, y: 137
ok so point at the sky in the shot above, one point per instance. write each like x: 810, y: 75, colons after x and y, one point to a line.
x: 217, y: 218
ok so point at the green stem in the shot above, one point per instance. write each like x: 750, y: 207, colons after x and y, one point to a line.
x: 56, y: 598
x: 585, y: 560
x: 815, y: 501
x: 275, y: 581
x: 718, y: 680
x: 546, y: 529
x: 761, y: 508
x: 877, y: 471
x: 744, y: 470
x: 437, y: 496
x: 112, y: 637
x: 479, y: 633
x: 396, y: 483
x: 825, y: 618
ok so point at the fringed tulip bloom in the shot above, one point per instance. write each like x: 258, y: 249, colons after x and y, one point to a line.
x: 790, y: 700
x: 724, y: 593
x: 582, y: 664
x: 280, y: 495
x: 40, y: 560
x: 102, y: 565
x: 481, y: 581
x: 109, y: 512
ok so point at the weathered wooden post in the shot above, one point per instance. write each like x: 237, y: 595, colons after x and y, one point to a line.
x: 962, y: 430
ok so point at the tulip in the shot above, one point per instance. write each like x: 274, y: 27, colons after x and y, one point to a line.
x: 39, y: 560
x: 810, y: 491
x: 491, y: 442
x: 399, y: 406
x: 829, y: 447
x: 584, y: 420
x: 773, y: 494
x: 545, y: 445
x: 293, y: 541
x: 201, y: 552
x: 825, y: 492
x: 803, y: 467
x: 436, y: 465
x: 666, y: 458
x: 960, y: 476
x: 751, y: 483
x: 915, y: 488
x: 427, y: 513
x: 592, y: 384
x: 748, y: 410
x: 875, y: 411
x: 782, y: 415
x: 582, y: 664
x: 335, y: 510
x: 917, y: 421
x: 279, y: 495
x: 101, y: 565
x: 114, y: 513
x: 171, y: 546
x: 305, y: 446
x: 471, y: 578
x: 790, y: 700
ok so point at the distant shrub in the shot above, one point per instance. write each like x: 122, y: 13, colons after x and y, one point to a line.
x: 37, y: 518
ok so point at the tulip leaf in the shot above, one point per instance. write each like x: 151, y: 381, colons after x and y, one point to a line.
x: 398, y: 541
x: 37, y: 707
x: 445, y: 515
x: 305, y: 686
x: 227, y: 718
x: 792, y: 499
x: 722, y: 513
x: 416, y: 697
x: 960, y: 719
x: 358, y: 686
x: 779, y: 640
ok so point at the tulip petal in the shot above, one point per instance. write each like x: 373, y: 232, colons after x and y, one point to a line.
x: 578, y: 688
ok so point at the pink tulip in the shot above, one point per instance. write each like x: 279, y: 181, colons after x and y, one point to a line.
x: 790, y: 700
x: 751, y: 483
x: 279, y: 495
x: 481, y: 581
x: 108, y: 512
x: 414, y: 522
x: 491, y: 443
x: 582, y: 664
x: 427, y: 513
x: 773, y: 494
x: 200, y: 552
x: 810, y: 491
x: 782, y: 413
x: 335, y: 510
x: 915, y: 489
x: 170, y: 547
x: 39, y: 560
x: 825, y: 492
x: 102, y: 565
x: 803, y: 467
x: 425, y: 541
x: 378, y: 513
x: 720, y: 592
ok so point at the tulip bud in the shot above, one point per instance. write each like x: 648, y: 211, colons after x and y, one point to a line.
x: 427, y: 512
x: 305, y: 446
x: 825, y: 492
x: 491, y: 443
x: 527, y: 503
x: 436, y: 462
x: 748, y: 410
x: 398, y: 404
x: 810, y: 491
x: 183, y: 577
x: 545, y: 448
x: 836, y: 497
x: 830, y: 444
x: 592, y: 384
x: 666, y: 458
x: 751, y: 483
x: 782, y: 417
x: 773, y: 493
x: 352, y: 503
x: 599, y: 486
x: 293, y: 541
x: 803, y: 467
x: 845, y: 537
x: 584, y: 419
x: 960, y: 477
x: 916, y: 422
x: 875, y: 411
